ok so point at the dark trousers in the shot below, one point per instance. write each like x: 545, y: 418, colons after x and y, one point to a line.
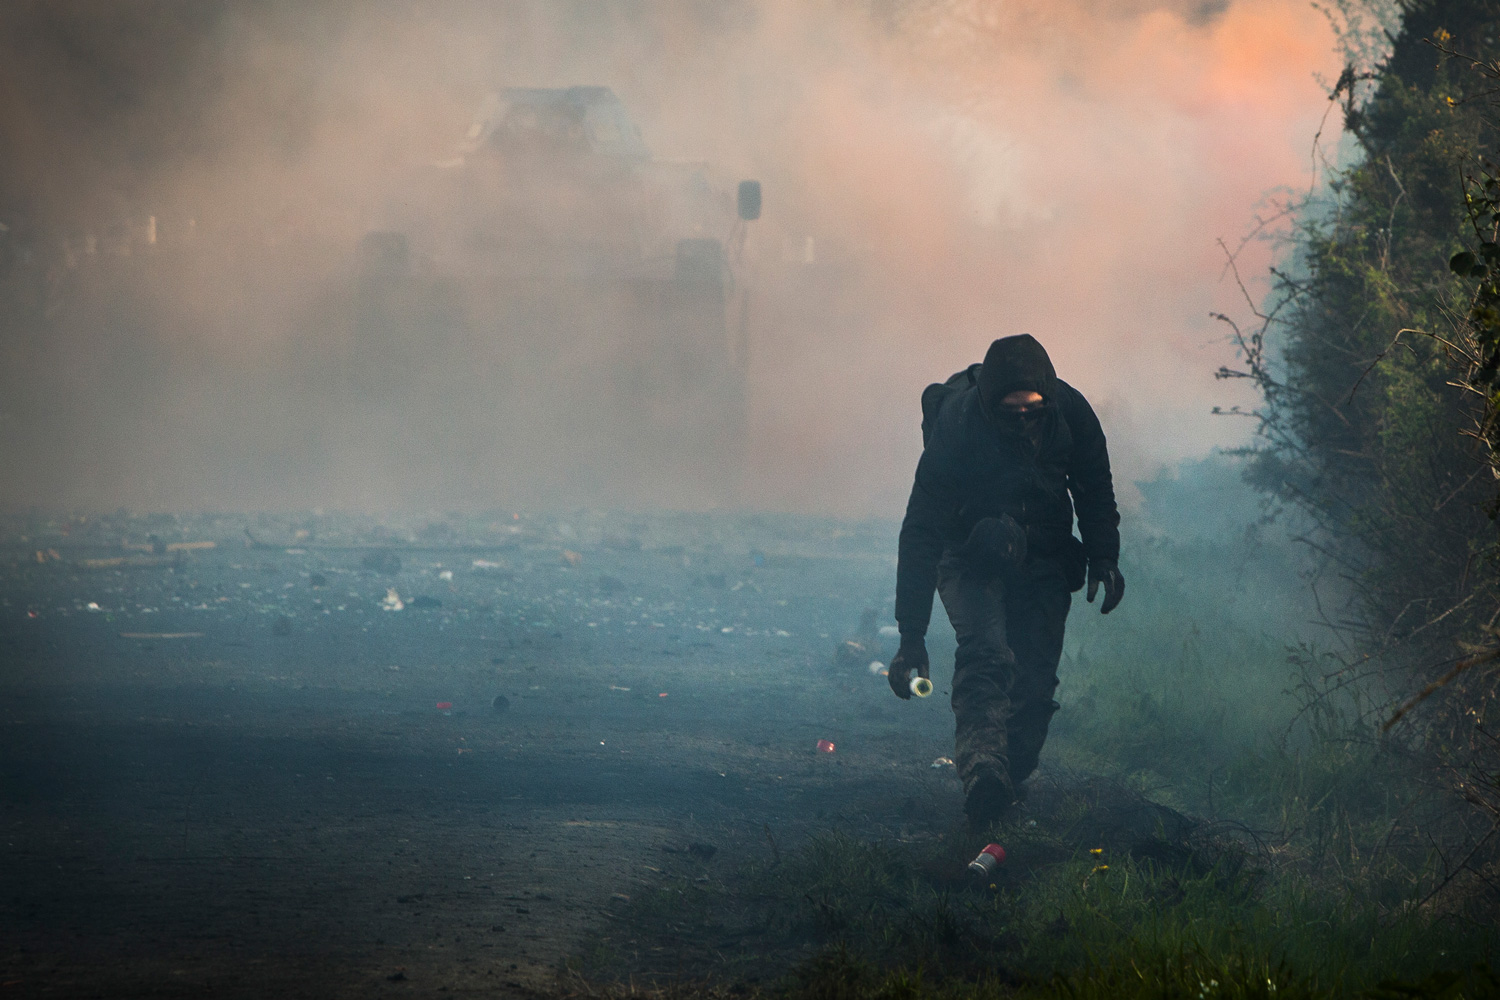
x: 1010, y: 637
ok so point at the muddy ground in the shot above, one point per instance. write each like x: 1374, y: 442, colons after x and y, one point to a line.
x: 234, y: 771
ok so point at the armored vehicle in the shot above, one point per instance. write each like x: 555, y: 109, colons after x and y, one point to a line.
x: 553, y: 301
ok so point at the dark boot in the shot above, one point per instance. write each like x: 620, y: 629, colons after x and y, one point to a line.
x: 989, y: 797
x: 1025, y: 734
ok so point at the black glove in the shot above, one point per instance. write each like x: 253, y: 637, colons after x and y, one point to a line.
x: 1107, y: 572
x: 993, y: 544
x: 911, y: 656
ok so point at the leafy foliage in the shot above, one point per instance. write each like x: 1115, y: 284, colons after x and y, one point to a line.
x: 1361, y: 423
x: 1377, y: 360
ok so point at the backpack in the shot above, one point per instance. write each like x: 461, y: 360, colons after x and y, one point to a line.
x: 938, y: 393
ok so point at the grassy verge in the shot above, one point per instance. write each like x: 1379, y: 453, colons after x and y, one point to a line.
x: 1211, y: 822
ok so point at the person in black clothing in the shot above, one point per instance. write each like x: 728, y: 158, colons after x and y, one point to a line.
x: 990, y: 527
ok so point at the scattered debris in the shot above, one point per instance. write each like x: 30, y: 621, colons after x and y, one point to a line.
x: 93, y: 606
x: 941, y: 762
x: 161, y: 635
x: 392, y: 600
x: 446, y: 576
x: 878, y: 669
x: 131, y: 562
x: 825, y: 746
x: 487, y: 564
x: 616, y: 687
x: 443, y: 706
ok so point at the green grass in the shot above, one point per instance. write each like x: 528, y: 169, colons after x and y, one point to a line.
x: 1309, y: 887
x: 1099, y: 926
x: 1310, y: 879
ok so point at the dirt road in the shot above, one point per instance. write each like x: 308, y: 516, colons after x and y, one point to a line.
x: 233, y: 771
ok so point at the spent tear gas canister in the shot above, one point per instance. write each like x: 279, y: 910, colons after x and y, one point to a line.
x: 992, y: 857
x: 921, y: 687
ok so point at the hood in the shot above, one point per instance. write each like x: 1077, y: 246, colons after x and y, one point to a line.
x: 1016, y: 363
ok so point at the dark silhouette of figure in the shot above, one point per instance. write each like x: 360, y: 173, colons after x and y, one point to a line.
x: 1010, y: 453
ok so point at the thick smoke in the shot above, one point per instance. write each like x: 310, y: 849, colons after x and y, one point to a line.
x: 186, y: 187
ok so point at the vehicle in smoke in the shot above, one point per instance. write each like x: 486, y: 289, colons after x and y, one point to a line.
x: 555, y: 290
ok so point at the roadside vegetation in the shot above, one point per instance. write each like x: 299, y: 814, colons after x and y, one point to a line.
x: 1210, y: 823
x: 1236, y: 805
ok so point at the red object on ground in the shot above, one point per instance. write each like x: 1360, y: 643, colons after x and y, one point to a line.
x: 992, y: 857
x: 825, y: 746
x: 445, y: 704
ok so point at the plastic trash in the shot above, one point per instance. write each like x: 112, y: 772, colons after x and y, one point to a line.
x: 941, y: 762
x: 921, y: 687
x: 392, y: 600
x: 444, y: 705
x: 825, y: 746
x: 890, y: 632
x: 877, y: 668
x: 992, y: 857
x: 446, y: 575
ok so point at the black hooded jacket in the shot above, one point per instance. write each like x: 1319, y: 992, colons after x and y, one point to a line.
x: 976, y: 465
